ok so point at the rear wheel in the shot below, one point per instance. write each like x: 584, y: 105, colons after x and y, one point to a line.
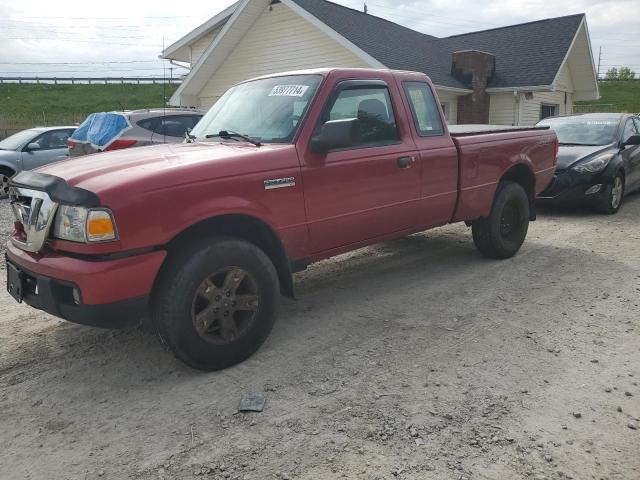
x: 215, y: 302
x: 502, y: 233
x: 612, y: 196
x: 5, y: 176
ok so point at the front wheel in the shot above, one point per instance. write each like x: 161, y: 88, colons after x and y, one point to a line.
x: 215, y: 302
x: 502, y: 233
x: 612, y: 196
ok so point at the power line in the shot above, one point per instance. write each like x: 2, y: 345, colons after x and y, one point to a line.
x: 79, y: 63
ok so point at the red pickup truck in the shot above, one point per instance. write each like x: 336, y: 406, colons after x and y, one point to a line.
x: 284, y: 170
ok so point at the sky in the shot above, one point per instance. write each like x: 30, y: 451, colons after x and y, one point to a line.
x: 124, y: 38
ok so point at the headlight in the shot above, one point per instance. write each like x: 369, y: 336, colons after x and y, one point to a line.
x: 596, y: 165
x: 79, y: 224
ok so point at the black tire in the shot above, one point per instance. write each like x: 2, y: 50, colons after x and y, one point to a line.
x: 179, y: 292
x: 612, y: 196
x: 502, y: 234
x: 5, y: 175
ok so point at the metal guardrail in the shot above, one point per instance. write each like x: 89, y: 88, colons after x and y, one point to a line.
x: 89, y: 80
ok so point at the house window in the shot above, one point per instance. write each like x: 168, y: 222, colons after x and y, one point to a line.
x: 548, y: 110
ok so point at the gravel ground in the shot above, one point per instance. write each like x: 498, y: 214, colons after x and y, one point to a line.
x: 414, y: 359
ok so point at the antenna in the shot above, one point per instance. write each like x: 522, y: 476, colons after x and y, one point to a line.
x: 164, y: 97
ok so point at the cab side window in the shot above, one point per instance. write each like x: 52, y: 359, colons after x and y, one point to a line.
x: 372, y: 106
x: 423, y: 108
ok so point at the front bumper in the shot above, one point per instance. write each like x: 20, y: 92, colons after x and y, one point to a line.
x: 110, y: 293
x: 573, y: 188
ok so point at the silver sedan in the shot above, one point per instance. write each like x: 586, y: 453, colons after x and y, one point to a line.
x: 30, y: 149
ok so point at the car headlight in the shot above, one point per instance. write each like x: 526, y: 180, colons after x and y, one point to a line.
x: 79, y: 224
x: 595, y: 165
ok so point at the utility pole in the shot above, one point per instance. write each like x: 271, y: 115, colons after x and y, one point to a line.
x: 599, y: 58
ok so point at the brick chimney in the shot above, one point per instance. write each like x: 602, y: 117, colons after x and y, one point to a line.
x: 475, y: 69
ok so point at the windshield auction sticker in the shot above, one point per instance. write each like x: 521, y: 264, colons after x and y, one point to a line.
x: 289, y: 90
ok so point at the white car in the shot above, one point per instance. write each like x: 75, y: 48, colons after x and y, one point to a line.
x: 31, y: 148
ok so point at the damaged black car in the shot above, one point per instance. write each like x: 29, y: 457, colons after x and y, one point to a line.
x: 598, y: 160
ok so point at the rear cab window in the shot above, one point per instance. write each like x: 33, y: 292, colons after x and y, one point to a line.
x: 424, y: 110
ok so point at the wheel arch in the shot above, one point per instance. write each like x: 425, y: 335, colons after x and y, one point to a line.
x: 248, y: 228
x: 522, y: 175
x: 8, y: 166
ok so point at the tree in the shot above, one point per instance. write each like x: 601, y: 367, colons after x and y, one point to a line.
x: 625, y: 73
x: 612, y: 74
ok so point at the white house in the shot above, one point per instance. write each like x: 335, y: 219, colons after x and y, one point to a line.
x: 511, y: 75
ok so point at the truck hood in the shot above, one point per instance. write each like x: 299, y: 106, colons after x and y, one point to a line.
x: 160, y: 166
x: 569, y: 155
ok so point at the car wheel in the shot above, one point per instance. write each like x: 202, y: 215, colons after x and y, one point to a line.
x: 502, y: 233
x: 215, y: 302
x: 612, y: 196
x: 5, y: 176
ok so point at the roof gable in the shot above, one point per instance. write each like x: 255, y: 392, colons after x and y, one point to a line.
x: 529, y: 54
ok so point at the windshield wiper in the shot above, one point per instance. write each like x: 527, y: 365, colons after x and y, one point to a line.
x: 573, y: 144
x: 227, y: 134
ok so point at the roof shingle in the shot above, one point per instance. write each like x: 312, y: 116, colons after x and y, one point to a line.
x: 527, y: 54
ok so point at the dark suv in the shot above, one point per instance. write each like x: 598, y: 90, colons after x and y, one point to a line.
x: 106, y: 131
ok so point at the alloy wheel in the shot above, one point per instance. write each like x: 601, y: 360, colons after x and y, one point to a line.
x: 4, y: 185
x: 616, y: 192
x: 225, y: 305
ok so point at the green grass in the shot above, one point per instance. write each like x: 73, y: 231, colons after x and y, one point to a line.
x: 617, y: 96
x: 28, y: 105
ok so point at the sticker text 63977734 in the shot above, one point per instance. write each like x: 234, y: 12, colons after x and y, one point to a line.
x: 289, y: 90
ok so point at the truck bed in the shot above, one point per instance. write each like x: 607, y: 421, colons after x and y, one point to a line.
x: 485, y: 152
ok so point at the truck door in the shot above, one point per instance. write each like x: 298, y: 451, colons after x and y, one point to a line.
x: 367, y: 190
x: 437, y: 152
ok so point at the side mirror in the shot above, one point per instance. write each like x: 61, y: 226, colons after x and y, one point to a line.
x: 336, y: 134
x: 632, y: 140
x: 33, y: 146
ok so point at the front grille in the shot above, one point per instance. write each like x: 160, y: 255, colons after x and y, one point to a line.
x: 34, y: 212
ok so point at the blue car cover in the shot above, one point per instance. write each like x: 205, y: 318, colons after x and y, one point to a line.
x: 101, y: 129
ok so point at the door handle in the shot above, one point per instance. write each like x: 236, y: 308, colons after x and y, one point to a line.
x: 406, y: 162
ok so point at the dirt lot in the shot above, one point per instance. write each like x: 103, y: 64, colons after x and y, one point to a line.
x: 415, y: 359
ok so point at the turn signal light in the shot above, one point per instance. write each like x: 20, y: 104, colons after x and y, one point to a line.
x: 100, y: 226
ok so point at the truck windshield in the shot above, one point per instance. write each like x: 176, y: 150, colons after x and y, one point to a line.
x: 583, y: 130
x: 267, y: 110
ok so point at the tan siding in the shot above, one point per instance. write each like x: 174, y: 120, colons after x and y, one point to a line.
x: 564, y: 82
x: 581, y: 68
x: 450, y: 100
x: 199, y: 46
x: 530, y: 109
x: 280, y: 40
x: 502, y: 110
